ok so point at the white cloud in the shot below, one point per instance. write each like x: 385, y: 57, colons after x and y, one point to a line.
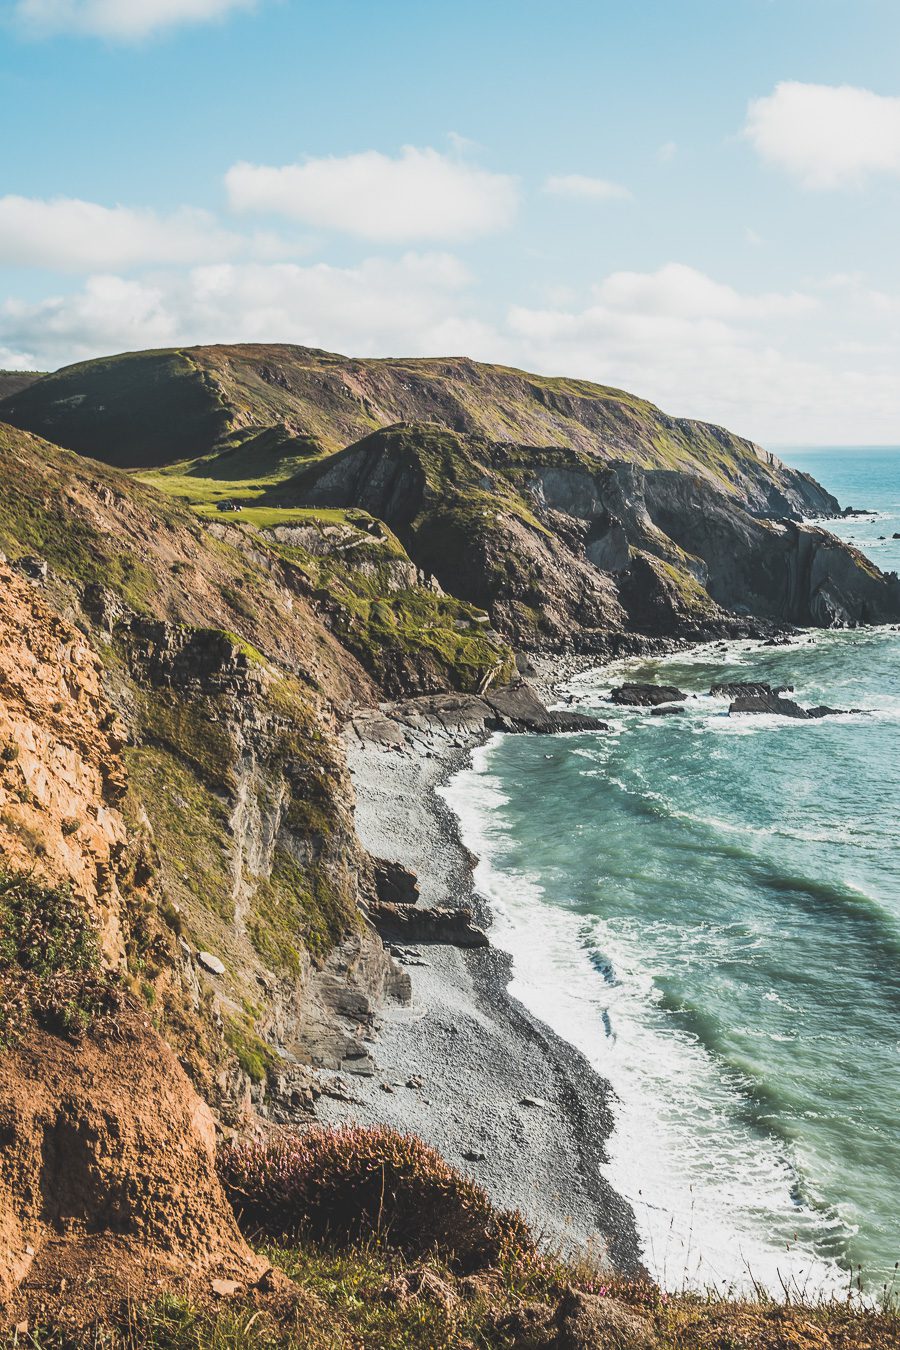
x: 120, y: 19
x: 667, y: 152
x: 763, y: 365
x: 583, y: 188
x: 683, y: 292
x: 826, y: 136
x: 72, y: 235
x: 422, y: 194
x: 415, y: 304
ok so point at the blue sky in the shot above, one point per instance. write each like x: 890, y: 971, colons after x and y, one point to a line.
x: 695, y: 199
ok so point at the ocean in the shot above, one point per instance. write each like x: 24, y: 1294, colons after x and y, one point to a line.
x: 708, y: 907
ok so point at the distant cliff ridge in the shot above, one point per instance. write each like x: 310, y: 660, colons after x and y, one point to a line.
x: 570, y: 514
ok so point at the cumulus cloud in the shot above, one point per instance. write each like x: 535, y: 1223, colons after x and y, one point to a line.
x: 582, y: 188
x: 826, y: 136
x: 762, y: 364
x: 684, y: 292
x: 420, y: 194
x: 127, y: 20
x: 72, y: 235
x: 416, y: 303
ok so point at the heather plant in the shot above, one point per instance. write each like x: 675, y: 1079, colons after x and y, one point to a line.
x: 355, y: 1184
x: 50, y: 964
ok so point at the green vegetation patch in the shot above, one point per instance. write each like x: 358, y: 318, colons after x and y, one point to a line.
x: 254, y: 1056
x: 190, y: 826
x: 298, y: 907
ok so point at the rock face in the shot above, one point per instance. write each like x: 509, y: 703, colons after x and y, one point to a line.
x: 595, y: 549
x: 62, y: 776
x: 395, y: 884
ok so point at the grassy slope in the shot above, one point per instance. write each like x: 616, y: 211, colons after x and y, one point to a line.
x: 347, y: 1304
x: 13, y: 381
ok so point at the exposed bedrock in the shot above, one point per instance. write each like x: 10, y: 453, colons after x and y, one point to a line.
x: 777, y: 569
x: 565, y: 551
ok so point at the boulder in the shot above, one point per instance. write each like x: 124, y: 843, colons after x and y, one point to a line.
x: 395, y: 884
x: 404, y: 922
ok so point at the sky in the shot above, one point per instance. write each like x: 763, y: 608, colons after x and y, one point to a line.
x: 696, y: 200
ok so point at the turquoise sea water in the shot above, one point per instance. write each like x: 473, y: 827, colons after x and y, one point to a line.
x: 709, y: 907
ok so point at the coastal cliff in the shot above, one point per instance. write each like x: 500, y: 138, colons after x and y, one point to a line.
x: 218, y: 565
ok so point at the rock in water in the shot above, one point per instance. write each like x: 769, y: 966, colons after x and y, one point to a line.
x: 210, y: 963
x: 646, y: 695
x: 747, y: 690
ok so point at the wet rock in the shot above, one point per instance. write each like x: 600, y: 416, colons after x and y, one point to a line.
x: 665, y: 711
x: 646, y: 695
x: 752, y: 689
x: 784, y: 707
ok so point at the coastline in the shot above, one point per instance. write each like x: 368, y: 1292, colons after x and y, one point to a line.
x: 464, y: 1064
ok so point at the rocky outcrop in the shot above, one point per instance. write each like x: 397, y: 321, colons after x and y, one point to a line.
x: 395, y: 884
x: 463, y: 720
x: 762, y: 698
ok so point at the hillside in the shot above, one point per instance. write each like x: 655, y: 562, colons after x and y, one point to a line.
x: 14, y: 381
x: 572, y: 515
x: 211, y: 404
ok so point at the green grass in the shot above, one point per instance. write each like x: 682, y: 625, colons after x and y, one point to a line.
x: 266, y: 517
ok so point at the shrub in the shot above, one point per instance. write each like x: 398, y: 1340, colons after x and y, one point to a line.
x: 49, y: 958
x: 355, y: 1184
